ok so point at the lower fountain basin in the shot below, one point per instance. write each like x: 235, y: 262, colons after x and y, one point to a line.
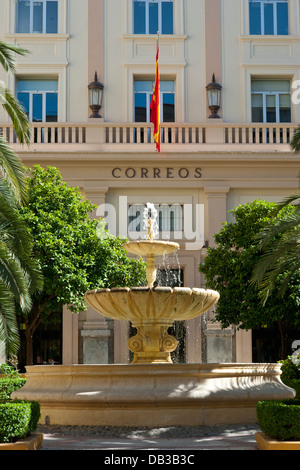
x: 152, y: 395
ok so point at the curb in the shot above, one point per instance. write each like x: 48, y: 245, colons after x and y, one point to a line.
x: 265, y: 442
x: 32, y: 442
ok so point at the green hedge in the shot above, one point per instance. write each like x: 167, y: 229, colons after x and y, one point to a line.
x: 8, y: 386
x: 279, y: 419
x: 18, y: 419
x: 10, y: 381
x: 295, y: 384
x: 290, y: 373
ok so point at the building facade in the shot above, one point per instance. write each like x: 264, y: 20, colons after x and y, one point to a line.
x: 207, y: 165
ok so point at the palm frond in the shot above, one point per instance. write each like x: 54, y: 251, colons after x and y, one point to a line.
x: 7, y: 55
x: 280, y: 258
x: 13, y: 277
x: 13, y: 171
x: 18, y: 117
x: 16, y: 236
x: 9, y: 332
x: 285, y: 225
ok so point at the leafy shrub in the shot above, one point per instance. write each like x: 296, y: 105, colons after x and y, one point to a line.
x: 295, y: 384
x: 279, y: 419
x: 290, y: 368
x: 290, y: 373
x: 18, y: 419
x: 10, y: 380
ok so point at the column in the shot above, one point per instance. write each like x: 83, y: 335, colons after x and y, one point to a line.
x: 215, y: 210
x: 243, y: 346
x: 70, y: 337
x: 219, y: 343
x: 97, y: 332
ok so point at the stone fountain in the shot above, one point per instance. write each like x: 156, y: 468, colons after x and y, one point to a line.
x: 151, y: 310
x: 152, y: 391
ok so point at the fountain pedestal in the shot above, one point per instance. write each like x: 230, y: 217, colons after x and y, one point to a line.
x: 152, y: 344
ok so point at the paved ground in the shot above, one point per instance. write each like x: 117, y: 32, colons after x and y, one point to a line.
x: 128, y: 440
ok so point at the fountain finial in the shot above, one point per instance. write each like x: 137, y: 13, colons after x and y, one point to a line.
x: 150, y: 221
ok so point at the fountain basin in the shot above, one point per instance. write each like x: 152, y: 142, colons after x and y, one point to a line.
x: 151, y: 247
x: 146, y: 303
x: 152, y: 395
x: 152, y: 311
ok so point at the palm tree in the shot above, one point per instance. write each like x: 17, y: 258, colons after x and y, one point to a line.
x: 295, y: 142
x: 280, y: 244
x: 19, y: 272
x: 11, y: 167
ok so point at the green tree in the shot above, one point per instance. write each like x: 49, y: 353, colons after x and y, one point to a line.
x: 228, y: 269
x: 19, y: 274
x: 72, y: 255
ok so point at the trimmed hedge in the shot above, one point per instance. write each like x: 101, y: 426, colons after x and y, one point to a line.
x: 279, y: 419
x: 18, y: 419
x: 290, y: 368
x: 295, y: 384
x: 10, y: 381
x: 290, y: 373
x: 8, y: 386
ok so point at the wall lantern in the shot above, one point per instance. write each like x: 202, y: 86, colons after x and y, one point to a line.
x: 214, y: 97
x: 96, y: 92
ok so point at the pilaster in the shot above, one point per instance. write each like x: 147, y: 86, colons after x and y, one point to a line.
x: 218, y: 342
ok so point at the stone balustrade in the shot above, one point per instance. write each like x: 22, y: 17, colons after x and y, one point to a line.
x: 197, y: 135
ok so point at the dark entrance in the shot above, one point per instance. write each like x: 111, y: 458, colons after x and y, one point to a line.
x: 266, y: 344
x: 47, y: 345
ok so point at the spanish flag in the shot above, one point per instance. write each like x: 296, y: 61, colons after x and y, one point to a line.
x: 155, y: 103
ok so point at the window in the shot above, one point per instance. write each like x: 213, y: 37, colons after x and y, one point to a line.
x: 142, y: 99
x: 269, y: 17
x: 151, y: 16
x: 37, y: 17
x: 271, y: 101
x: 39, y: 98
x: 169, y: 219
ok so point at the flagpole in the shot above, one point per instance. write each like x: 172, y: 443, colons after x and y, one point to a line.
x: 159, y: 142
x: 155, y: 101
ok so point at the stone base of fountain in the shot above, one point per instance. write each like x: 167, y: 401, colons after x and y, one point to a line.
x: 152, y: 395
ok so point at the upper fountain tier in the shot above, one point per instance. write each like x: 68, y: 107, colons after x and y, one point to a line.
x: 151, y: 249
x: 148, y: 247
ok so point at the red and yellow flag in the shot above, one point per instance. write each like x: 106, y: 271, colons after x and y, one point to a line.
x: 155, y: 103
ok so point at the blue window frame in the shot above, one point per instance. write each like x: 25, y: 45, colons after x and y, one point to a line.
x: 271, y: 100
x: 39, y: 99
x: 151, y: 16
x: 142, y: 99
x: 269, y: 17
x: 37, y: 17
x: 169, y: 218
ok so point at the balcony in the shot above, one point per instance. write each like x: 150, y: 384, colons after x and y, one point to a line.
x: 136, y: 137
